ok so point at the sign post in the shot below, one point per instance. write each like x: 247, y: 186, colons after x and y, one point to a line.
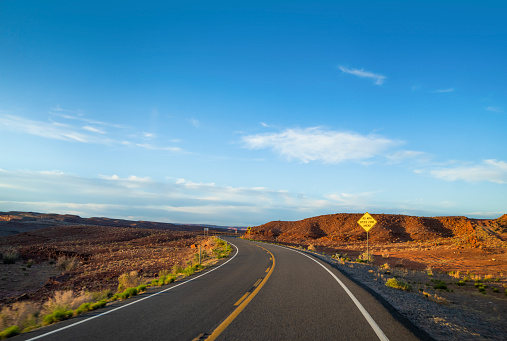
x: 367, y: 222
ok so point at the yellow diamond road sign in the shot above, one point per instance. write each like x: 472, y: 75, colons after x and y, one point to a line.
x: 367, y: 221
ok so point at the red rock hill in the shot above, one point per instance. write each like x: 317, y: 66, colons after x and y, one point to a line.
x: 343, y: 227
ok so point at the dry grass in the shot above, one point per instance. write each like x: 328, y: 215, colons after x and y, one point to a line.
x: 67, y: 263
x: 20, y: 314
x: 129, y: 280
x: 66, y: 300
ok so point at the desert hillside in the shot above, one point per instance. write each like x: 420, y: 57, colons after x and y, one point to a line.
x: 12, y: 223
x: 390, y: 228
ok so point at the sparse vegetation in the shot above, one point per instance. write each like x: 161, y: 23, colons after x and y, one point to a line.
x: 129, y: 280
x: 398, y: 284
x: 10, y: 256
x: 9, y: 332
x: 66, y: 263
x: 367, y: 257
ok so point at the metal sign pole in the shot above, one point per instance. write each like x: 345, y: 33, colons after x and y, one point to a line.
x: 367, y: 247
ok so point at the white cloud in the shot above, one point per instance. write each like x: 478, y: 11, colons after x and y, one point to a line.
x: 194, y: 122
x: 316, y: 144
x: 443, y: 90
x: 379, y: 79
x: 489, y: 170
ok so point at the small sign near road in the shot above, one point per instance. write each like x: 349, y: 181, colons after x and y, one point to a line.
x: 367, y: 222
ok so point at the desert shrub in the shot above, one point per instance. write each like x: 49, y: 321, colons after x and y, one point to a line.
x: 21, y: 314
x: 440, y: 285
x: 102, y: 295
x: 368, y: 257
x: 188, y: 271
x: 496, y: 290
x: 177, y: 269
x: 505, y: 292
x: 99, y: 304
x: 65, y: 300
x: 461, y: 283
x: 397, y: 284
x: 57, y: 315
x: 10, y: 256
x: 66, y: 263
x: 9, y: 332
x: 311, y: 247
x: 128, y: 280
x: 29, y: 263
x: 83, y: 308
x: 429, y: 271
x: 163, y: 273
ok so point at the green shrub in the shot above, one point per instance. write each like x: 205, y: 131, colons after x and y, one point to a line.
x: 496, y: 290
x: 98, y: 305
x: 177, y: 269
x: 57, y: 315
x: 83, y: 308
x: 9, y: 332
x: 397, y: 284
x: 461, y: 283
x: 440, y: 285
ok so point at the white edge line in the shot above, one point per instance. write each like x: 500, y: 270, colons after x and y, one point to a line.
x: 137, y: 301
x: 365, y: 313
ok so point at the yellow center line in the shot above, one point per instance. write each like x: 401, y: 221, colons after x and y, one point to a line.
x: 242, y: 306
x: 267, y: 270
x: 258, y: 282
x: 242, y: 298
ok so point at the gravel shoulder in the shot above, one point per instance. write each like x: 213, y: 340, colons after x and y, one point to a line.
x: 460, y: 313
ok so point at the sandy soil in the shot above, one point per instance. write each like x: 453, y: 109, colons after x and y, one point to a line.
x: 97, y: 255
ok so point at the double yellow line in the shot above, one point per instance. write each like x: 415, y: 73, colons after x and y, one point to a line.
x: 243, y: 301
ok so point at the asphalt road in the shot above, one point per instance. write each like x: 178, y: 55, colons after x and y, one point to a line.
x: 290, y: 296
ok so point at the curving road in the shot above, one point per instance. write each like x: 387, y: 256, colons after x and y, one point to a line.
x: 261, y: 292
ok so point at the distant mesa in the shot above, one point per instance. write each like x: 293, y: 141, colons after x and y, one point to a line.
x: 15, y: 222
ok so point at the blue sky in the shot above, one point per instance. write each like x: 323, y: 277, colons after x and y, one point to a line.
x: 239, y: 114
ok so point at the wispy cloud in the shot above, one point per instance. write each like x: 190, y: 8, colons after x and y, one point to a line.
x: 443, y: 91
x: 52, y: 130
x: 153, y: 147
x: 378, y: 78
x: 316, y: 144
x: 489, y: 170
x: 404, y: 155
x: 115, y: 134
x: 94, y: 130
x: 494, y: 109
x: 175, y: 199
